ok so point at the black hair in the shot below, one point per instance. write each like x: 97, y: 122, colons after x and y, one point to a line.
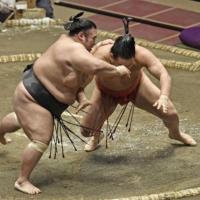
x: 124, y: 46
x: 79, y: 24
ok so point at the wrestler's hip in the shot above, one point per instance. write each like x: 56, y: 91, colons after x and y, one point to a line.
x: 21, y: 96
x: 32, y: 117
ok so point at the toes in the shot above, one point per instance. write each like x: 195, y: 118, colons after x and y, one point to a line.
x: 93, y: 143
x: 8, y: 140
x: 4, y: 141
x: 186, y: 139
x: 193, y: 143
x: 89, y: 148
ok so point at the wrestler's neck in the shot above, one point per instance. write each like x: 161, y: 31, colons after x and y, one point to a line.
x: 75, y: 38
x: 81, y: 41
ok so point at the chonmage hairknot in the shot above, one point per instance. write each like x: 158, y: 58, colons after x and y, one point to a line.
x: 126, y: 21
x: 73, y: 18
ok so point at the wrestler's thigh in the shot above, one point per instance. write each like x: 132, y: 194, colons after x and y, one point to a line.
x: 36, y: 121
x: 148, y: 94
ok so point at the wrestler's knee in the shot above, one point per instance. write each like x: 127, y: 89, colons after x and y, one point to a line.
x: 42, y: 137
x: 38, y: 146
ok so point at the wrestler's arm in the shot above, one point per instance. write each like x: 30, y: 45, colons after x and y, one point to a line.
x: 84, y: 61
x: 81, y: 97
x: 156, y: 69
x: 81, y: 94
x: 82, y: 100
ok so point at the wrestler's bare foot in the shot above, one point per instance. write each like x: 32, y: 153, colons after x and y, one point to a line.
x: 27, y: 187
x: 185, y: 138
x: 4, y: 140
x: 93, y: 143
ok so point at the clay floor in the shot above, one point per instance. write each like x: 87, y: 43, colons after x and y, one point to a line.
x: 141, y: 162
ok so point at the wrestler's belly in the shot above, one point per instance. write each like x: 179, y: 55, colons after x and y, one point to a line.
x: 67, y: 96
x: 62, y: 92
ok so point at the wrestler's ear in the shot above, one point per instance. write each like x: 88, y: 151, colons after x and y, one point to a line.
x: 81, y: 36
x: 111, y: 58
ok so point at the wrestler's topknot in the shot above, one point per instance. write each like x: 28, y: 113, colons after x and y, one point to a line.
x: 127, y: 38
x: 73, y: 18
x: 124, y: 46
x: 78, y: 24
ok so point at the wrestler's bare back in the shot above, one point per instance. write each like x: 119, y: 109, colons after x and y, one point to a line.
x: 56, y: 73
x: 119, y: 83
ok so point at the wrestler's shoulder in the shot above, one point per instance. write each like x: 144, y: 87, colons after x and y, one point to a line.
x: 140, y: 49
x: 141, y: 53
x: 69, y: 42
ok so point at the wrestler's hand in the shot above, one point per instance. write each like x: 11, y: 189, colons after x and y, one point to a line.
x: 82, y: 104
x: 124, y: 71
x: 107, y: 41
x: 99, y: 44
x: 162, y: 103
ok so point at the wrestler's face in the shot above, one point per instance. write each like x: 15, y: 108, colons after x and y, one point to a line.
x: 89, y: 39
x: 121, y: 61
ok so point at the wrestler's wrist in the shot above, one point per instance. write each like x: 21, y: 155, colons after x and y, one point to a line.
x: 162, y: 96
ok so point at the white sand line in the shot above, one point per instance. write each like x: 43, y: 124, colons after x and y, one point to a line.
x: 167, y: 195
